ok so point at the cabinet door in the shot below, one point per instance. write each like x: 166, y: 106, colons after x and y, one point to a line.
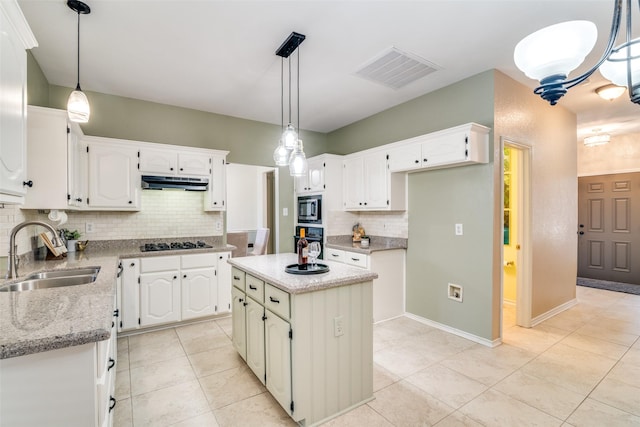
x: 255, y: 338
x: 376, y: 182
x: 130, y: 296
x: 199, y: 292
x: 334, y: 254
x: 444, y: 149
x: 405, y: 158
x: 238, y: 322
x: 316, y: 176
x: 224, y: 283
x: 353, y: 183
x: 77, y: 170
x: 278, y: 359
x: 159, y: 298
x: 13, y: 101
x: 162, y: 162
x: 302, y: 184
x: 113, y: 176
x: 217, y: 185
x: 194, y: 164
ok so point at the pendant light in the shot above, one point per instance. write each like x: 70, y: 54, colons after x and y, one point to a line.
x: 78, y: 106
x: 550, y: 54
x: 290, y: 149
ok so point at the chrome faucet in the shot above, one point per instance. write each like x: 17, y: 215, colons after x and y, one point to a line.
x: 12, y: 272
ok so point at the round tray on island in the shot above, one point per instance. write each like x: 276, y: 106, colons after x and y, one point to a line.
x: 317, y: 269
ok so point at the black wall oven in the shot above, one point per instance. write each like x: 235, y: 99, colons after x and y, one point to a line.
x: 310, y: 210
x: 312, y: 234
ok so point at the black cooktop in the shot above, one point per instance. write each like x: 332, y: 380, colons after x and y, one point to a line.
x: 173, y: 246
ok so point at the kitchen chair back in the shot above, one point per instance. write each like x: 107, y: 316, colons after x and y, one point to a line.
x: 260, y: 245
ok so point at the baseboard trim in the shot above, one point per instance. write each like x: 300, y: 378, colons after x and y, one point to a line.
x: 454, y: 331
x: 557, y: 310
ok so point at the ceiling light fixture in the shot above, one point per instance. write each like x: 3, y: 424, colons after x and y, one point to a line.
x: 78, y: 106
x: 289, y: 150
x: 550, y: 54
x: 610, y: 92
x: 597, y: 139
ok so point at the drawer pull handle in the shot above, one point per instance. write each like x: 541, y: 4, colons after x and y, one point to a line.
x: 236, y: 278
x: 355, y: 259
x: 272, y: 299
x: 253, y: 288
x: 112, y: 404
x: 120, y: 268
x: 112, y: 363
x: 335, y: 255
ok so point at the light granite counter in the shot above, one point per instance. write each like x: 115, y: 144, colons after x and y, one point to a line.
x: 271, y: 269
x: 49, y: 319
x: 376, y: 243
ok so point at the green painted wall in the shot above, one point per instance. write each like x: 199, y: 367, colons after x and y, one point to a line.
x: 437, y: 201
x: 37, y: 84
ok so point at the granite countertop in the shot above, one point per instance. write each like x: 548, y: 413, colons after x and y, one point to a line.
x: 48, y: 319
x: 376, y: 243
x: 270, y: 268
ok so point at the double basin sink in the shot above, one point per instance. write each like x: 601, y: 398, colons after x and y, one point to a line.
x: 54, y: 279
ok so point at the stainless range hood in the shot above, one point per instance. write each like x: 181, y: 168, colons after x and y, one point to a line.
x: 153, y: 182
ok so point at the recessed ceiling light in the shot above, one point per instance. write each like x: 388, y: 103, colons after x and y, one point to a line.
x: 610, y: 92
x: 597, y: 139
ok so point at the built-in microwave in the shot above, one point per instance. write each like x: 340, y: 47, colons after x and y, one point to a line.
x: 310, y: 210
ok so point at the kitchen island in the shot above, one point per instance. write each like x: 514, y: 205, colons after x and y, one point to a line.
x: 308, y: 338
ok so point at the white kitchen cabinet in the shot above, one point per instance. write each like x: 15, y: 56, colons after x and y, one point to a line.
x: 15, y: 37
x: 313, y: 180
x: 368, y: 185
x: 255, y: 337
x: 405, y: 157
x: 114, y: 181
x: 159, y: 290
x: 71, y: 386
x: 199, y: 285
x: 171, y: 162
x: 77, y: 169
x: 129, y: 292
x: 215, y: 199
x: 239, y: 322
x: 223, y: 273
x: 278, y: 358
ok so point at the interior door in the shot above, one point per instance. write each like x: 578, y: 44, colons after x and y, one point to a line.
x: 609, y: 227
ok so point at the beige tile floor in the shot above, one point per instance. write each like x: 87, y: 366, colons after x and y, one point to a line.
x: 579, y: 368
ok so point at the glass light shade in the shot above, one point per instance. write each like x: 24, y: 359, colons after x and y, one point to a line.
x: 610, y: 92
x: 555, y: 50
x: 281, y: 155
x: 597, y: 139
x: 290, y: 137
x: 617, y: 71
x: 298, y: 161
x: 78, y: 107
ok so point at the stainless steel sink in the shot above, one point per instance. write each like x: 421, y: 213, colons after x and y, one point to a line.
x: 54, y: 279
x: 64, y: 273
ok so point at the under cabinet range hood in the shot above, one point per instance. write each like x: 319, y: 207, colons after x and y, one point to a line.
x: 152, y: 182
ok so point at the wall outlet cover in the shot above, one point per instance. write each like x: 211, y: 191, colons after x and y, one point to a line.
x: 459, y: 230
x: 454, y: 292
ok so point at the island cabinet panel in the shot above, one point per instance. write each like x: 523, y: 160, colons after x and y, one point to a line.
x: 255, y: 338
x: 238, y: 322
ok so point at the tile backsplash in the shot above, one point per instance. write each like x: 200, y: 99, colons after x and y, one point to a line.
x: 388, y: 224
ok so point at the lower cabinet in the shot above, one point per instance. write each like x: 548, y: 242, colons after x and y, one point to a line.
x: 239, y: 322
x: 255, y: 317
x: 159, y: 298
x: 71, y: 386
x: 278, y: 358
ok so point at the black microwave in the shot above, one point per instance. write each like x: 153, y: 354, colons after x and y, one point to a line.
x: 310, y: 210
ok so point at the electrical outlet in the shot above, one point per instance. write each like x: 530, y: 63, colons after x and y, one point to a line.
x: 88, y: 227
x: 285, y: 211
x: 455, y: 292
x: 458, y: 229
x: 338, y: 326
x: 218, y: 225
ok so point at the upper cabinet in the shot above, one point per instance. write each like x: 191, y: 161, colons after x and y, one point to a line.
x: 368, y: 185
x: 458, y: 146
x: 114, y: 181
x: 216, y: 195
x: 15, y: 37
x: 313, y: 180
x: 171, y: 162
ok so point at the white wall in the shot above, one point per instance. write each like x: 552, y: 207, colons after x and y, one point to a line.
x: 246, y: 197
x: 620, y: 155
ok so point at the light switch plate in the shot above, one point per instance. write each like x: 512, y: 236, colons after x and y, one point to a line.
x: 458, y: 229
x: 285, y: 211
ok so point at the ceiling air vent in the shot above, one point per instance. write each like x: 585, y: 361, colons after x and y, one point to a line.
x: 396, y: 69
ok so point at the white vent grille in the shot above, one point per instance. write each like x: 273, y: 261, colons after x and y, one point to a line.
x: 396, y: 69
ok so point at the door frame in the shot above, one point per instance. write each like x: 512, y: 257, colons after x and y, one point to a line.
x: 524, y: 260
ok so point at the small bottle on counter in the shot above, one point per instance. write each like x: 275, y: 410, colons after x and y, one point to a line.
x: 303, y: 251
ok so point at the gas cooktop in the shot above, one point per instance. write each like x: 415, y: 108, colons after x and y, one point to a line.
x: 173, y: 246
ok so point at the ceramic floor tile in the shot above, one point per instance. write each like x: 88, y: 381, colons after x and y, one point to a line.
x: 159, y: 346
x: 404, y: 404
x: 169, y: 405
x: 626, y: 371
x: 608, y: 332
x: 536, y: 339
x: 401, y: 362
x: 571, y: 319
x: 261, y: 410
x: 595, y: 414
x: 216, y: 360
x: 197, y: 330
x: 493, y: 408
x: 595, y: 345
x: 538, y: 393
x: 160, y: 375
x: 633, y: 355
x: 458, y: 419
x: 205, y: 342
x: 230, y: 386
x: 123, y: 415
x: 382, y: 378
x: 123, y: 385
x: 447, y: 385
x: 123, y: 343
x: 154, y: 338
x: 205, y: 420
x: 226, y: 325
x: 621, y: 395
x: 361, y: 416
x: 122, y: 359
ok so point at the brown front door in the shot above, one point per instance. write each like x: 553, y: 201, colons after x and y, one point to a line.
x: 609, y: 227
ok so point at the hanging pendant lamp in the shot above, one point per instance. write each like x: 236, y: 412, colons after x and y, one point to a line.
x: 78, y: 105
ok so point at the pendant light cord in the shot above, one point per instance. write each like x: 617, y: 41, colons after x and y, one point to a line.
x: 298, y: 93
x: 78, y: 83
x: 289, y: 62
x: 282, y: 93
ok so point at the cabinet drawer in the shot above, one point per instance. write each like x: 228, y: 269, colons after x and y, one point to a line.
x: 254, y: 288
x: 356, y: 259
x: 199, y: 260
x: 159, y: 263
x: 334, y: 254
x: 276, y: 301
x: 238, y: 278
